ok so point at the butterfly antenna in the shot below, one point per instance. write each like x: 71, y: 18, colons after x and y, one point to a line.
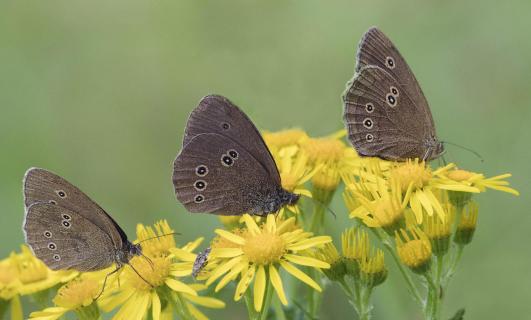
x: 323, y: 205
x: 465, y: 148
x: 138, y: 274
x: 105, y: 282
x: 162, y: 235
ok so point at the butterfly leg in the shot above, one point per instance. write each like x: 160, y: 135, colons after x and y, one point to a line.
x: 105, y: 281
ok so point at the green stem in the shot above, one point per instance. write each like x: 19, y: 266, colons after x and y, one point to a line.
x: 279, y: 311
x: 267, y: 301
x: 365, y: 307
x: 249, y: 303
x: 411, y: 285
x: 351, y: 296
x: 455, y: 263
x: 432, y: 307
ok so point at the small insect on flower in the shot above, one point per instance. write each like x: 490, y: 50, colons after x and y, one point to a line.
x: 257, y: 253
x: 200, y: 262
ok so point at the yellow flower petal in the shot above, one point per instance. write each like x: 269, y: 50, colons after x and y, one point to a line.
x: 219, y: 271
x: 196, y: 314
x: 155, y: 305
x: 300, y: 275
x: 180, y: 286
x: 230, y: 236
x: 231, y: 275
x: 205, y: 301
x: 277, y: 284
x: 225, y: 252
x: 259, y: 288
x: 47, y: 314
x: 183, y: 255
x: 306, y: 261
x: 308, y: 243
x: 416, y: 207
x: 425, y: 202
x: 251, y: 224
x: 244, y: 283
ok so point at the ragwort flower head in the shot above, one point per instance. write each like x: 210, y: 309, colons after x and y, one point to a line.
x: 154, y: 281
x: 257, y: 253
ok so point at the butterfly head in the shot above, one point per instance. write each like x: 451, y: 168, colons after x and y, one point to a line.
x: 129, y: 251
x: 434, y: 148
x: 288, y: 198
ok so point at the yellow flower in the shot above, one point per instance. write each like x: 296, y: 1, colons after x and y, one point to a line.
x: 157, y: 240
x: 479, y: 181
x: 34, y: 275
x: 355, y: 246
x: 328, y: 150
x: 439, y: 231
x: 9, y: 285
x: 476, y: 180
x: 77, y: 295
x: 414, y: 249
x: 467, y: 224
x: 382, y: 204
x: 424, y: 182
x: 230, y: 221
x: 284, y: 138
x: 294, y: 171
x: 372, y: 269
x: 330, y: 255
x: 257, y: 252
x: 154, y: 283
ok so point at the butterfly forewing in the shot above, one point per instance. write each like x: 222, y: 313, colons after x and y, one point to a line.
x: 64, y: 239
x: 44, y: 186
x: 386, y: 113
x: 375, y: 48
x: 217, y: 114
x: 215, y: 174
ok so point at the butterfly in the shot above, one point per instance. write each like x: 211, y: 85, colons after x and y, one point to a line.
x: 224, y: 166
x: 67, y: 230
x: 385, y: 112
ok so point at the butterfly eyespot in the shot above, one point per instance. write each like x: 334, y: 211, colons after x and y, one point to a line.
x: 57, y: 257
x: 391, y: 100
x: 226, y: 160
x: 394, y: 91
x: 233, y: 154
x: 369, y: 107
x: 390, y: 62
x: 52, y: 246
x: 367, y: 123
x: 47, y: 234
x: 66, y: 224
x: 61, y: 193
x: 201, y: 170
x: 225, y: 126
x: 53, y: 202
x: 199, y: 198
x: 369, y: 137
x: 200, y: 185
x: 66, y: 216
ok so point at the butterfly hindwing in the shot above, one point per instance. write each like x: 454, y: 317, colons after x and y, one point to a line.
x: 215, y: 174
x: 64, y: 239
x: 378, y: 116
x: 217, y: 114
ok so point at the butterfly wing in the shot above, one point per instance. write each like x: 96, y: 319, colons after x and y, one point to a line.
x: 376, y: 49
x: 381, y: 118
x: 64, y: 239
x: 41, y: 185
x: 215, y: 174
x: 217, y: 114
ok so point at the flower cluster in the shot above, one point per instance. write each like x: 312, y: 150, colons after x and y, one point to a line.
x: 421, y: 216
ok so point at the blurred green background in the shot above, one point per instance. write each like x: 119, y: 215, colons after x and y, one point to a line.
x: 99, y: 92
